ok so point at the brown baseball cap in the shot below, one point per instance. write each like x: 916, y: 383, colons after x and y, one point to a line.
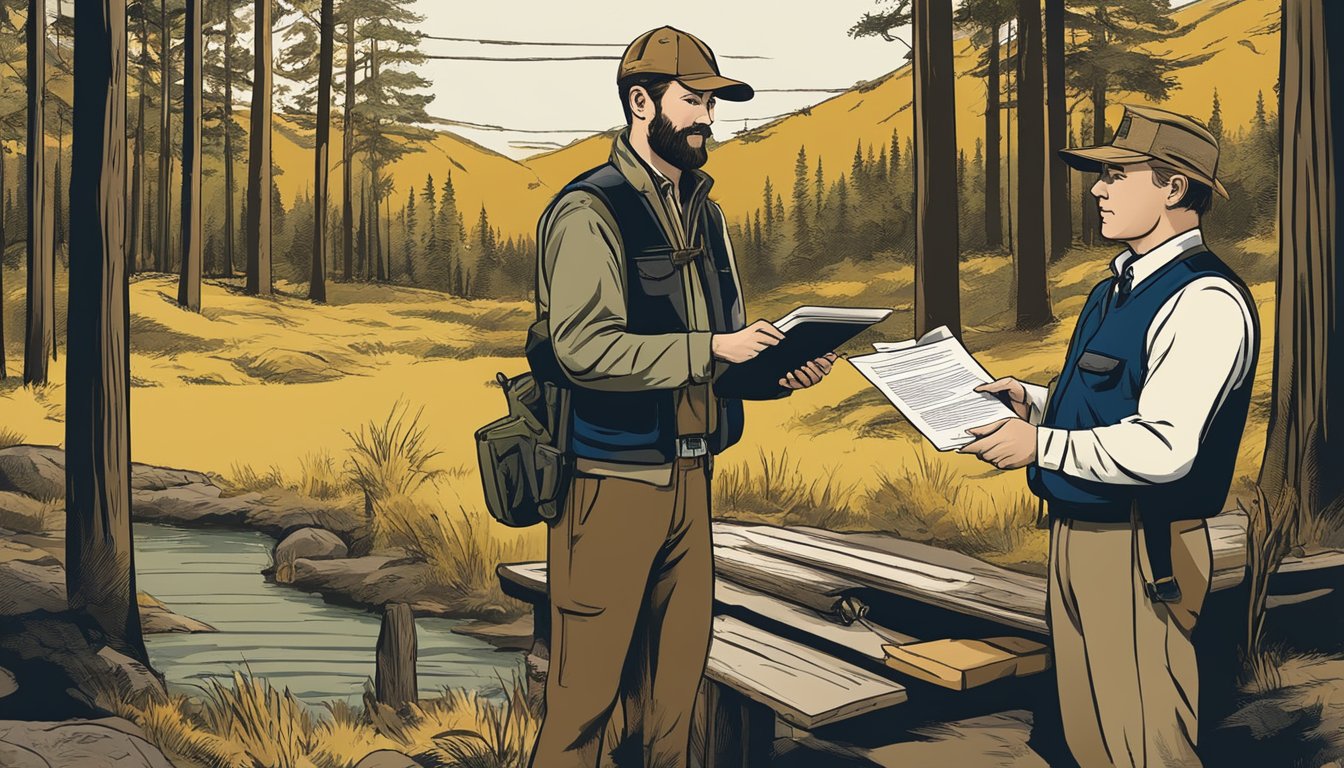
x: 683, y: 56
x: 1148, y: 133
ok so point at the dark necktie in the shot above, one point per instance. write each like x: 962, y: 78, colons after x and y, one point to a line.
x: 1126, y: 285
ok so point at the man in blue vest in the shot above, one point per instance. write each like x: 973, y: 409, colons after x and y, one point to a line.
x: 1135, y: 445
x: 637, y: 290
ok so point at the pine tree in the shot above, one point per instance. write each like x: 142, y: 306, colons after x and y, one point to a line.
x: 408, y: 221
x: 895, y: 153
x: 1216, y: 118
x: 880, y: 172
x: 821, y: 189
x: 961, y: 171
x: 768, y: 198
x: 856, y: 170
x: 800, y: 218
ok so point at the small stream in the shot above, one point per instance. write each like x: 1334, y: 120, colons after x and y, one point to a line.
x: 294, y: 639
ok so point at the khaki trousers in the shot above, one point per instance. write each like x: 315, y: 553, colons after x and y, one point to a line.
x: 631, y: 589
x: 1128, y: 679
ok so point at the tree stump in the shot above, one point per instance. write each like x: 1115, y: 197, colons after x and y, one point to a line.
x: 394, y: 680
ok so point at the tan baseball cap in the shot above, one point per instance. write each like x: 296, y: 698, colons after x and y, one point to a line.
x: 683, y: 56
x: 1148, y: 133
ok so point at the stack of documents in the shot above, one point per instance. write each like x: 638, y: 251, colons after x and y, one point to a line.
x: 932, y: 382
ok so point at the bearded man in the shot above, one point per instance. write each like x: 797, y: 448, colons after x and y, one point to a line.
x: 638, y: 292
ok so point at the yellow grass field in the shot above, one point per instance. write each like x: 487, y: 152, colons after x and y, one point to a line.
x: 269, y: 382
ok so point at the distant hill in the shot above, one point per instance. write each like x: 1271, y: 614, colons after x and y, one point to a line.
x: 1238, y: 37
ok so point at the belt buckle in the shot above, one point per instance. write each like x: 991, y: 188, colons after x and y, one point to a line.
x: 691, y: 447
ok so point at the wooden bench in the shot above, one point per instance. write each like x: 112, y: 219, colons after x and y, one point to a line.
x: 756, y: 677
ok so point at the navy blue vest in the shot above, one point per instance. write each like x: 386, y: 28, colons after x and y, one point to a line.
x: 1099, y: 385
x: 641, y: 427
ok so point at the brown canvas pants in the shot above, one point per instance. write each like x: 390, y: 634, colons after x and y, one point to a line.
x: 631, y: 576
x: 1128, y: 679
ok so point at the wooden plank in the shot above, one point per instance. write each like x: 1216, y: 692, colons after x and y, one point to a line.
x: 857, y: 638
x: 803, y: 686
x: 1007, y: 601
x: 809, y: 587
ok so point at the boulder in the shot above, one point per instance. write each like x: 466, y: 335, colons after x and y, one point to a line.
x: 157, y: 618
x: 130, y: 677
x: 22, y: 513
x: 145, y: 477
x: 280, y: 511
x: 8, y: 683
x: 365, y: 581
x: 103, y: 743
x: 310, y: 544
x: 33, y: 470
x: 198, y: 503
x: 387, y: 758
x: 26, y: 587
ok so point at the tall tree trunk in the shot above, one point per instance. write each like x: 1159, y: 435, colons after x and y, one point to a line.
x: 1305, y: 445
x: 937, y: 252
x: 1033, y: 292
x: 189, y: 285
x: 374, y: 141
x: 364, y: 231
x: 1091, y: 229
x: 1008, y: 159
x: 165, y: 138
x: 317, y: 280
x: 4, y: 240
x: 259, y: 160
x: 41, y: 312
x: 134, y: 253
x: 99, y: 560
x: 993, y: 186
x: 59, y: 191
x: 348, y: 150
x: 1061, y: 223
x: 229, y: 186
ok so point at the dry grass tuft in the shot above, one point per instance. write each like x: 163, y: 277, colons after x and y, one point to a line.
x: 463, y: 545
x: 777, y: 490
x: 10, y: 437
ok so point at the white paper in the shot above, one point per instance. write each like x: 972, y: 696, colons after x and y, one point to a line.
x: 931, y: 381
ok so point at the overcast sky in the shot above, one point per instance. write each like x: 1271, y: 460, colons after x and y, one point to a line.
x: 801, y: 49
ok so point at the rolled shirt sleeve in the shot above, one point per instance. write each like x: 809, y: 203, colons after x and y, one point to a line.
x: 583, y: 267
x: 1198, y: 351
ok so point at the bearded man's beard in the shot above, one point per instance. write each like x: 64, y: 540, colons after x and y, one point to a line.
x: 674, y: 145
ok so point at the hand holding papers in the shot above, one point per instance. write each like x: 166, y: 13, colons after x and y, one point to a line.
x: 932, y: 382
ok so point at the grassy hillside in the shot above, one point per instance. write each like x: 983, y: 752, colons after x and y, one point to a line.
x: 1238, y: 36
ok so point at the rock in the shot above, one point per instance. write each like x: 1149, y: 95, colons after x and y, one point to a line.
x: 513, y: 636
x: 365, y: 581
x: 8, y: 684
x: 130, y: 676
x: 22, y: 513
x: 198, y: 503
x: 387, y: 758
x: 26, y: 587
x: 157, y: 618
x: 310, y: 544
x: 33, y: 470
x: 56, y: 668
x: 280, y: 512
x: 146, y: 477
x: 104, y: 743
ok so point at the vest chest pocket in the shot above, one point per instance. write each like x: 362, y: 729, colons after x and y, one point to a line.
x: 657, y: 274
x: 1100, y: 371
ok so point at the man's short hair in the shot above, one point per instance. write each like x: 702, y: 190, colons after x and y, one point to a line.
x: 1198, y: 196
x: 656, y: 85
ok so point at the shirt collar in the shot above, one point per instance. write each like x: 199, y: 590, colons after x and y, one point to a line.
x: 1158, y: 257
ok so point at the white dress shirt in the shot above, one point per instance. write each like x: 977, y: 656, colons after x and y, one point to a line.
x: 1199, y: 349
